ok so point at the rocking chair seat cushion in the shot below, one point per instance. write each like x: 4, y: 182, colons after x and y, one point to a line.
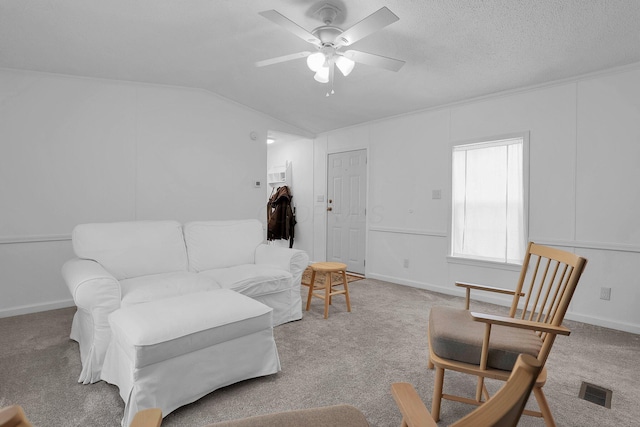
x: 454, y: 335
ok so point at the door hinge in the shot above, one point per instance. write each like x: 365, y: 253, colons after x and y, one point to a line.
x: 364, y: 262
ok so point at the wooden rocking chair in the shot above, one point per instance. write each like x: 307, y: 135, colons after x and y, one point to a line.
x: 487, y: 346
x: 504, y: 409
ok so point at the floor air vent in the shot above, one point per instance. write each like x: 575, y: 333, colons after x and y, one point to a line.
x: 595, y: 394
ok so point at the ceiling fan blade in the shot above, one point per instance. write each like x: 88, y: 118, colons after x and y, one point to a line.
x: 374, y: 60
x: 372, y: 23
x: 284, y: 58
x: 287, y: 24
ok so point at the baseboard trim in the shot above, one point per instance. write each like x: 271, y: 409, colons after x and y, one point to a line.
x: 591, y: 320
x: 605, y: 323
x: 36, y: 308
x: 440, y: 289
x: 506, y: 302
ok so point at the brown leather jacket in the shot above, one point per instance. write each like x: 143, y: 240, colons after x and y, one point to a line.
x: 280, y: 216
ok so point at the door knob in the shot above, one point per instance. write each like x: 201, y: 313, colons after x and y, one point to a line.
x: 329, y: 209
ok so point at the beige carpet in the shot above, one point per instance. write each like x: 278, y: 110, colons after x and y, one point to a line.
x: 351, y: 358
x: 335, y: 277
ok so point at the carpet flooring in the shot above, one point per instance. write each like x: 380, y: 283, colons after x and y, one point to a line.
x: 348, y: 358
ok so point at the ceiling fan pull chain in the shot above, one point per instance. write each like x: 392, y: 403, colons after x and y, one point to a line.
x: 332, y: 69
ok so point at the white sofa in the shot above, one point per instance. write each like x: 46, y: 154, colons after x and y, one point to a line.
x: 125, y: 263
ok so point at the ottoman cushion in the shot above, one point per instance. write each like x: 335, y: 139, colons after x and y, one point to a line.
x: 171, y: 327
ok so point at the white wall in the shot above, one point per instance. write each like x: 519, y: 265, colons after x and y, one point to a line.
x: 298, y: 152
x: 584, y: 197
x: 76, y: 150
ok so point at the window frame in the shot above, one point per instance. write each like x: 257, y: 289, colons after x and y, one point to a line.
x: 525, y: 181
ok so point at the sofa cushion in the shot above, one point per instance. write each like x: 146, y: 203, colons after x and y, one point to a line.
x: 251, y: 279
x: 161, y: 286
x: 455, y: 335
x: 220, y: 244
x: 132, y: 249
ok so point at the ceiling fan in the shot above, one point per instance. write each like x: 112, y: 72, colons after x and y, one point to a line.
x: 329, y: 39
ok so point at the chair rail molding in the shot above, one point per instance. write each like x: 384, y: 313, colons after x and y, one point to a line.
x: 602, y: 246
x: 9, y: 240
x: 415, y: 232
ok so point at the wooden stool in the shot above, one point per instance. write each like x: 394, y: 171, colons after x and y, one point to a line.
x: 327, y: 268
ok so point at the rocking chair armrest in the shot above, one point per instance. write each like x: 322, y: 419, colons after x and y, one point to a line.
x: 519, y: 323
x: 469, y: 286
x: 413, y: 410
x: 486, y: 288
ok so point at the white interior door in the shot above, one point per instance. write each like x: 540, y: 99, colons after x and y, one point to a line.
x: 346, y: 208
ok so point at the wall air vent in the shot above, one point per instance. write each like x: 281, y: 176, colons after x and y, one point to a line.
x: 595, y: 394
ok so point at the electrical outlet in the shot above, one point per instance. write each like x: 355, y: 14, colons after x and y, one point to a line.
x: 406, y: 263
x: 605, y: 294
x: 436, y: 194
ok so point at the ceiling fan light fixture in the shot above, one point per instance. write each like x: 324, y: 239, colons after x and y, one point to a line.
x: 315, y: 61
x: 345, y: 65
x: 322, y: 75
x: 328, y: 39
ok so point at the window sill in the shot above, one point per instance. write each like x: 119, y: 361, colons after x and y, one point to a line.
x: 484, y: 263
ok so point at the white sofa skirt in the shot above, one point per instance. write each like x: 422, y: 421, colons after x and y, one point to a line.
x: 184, y: 379
x: 168, y: 353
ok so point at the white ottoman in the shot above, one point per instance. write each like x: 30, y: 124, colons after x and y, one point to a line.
x: 168, y: 353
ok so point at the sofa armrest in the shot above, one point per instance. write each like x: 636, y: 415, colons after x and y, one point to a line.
x: 92, y: 287
x: 294, y: 261
x: 97, y: 294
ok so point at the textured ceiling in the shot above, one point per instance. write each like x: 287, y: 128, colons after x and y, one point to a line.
x: 454, y: 49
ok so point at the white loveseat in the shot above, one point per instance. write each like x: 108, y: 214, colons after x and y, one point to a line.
x: 126, y: 263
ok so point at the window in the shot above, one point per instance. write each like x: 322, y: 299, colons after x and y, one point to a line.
x: 488, y: 220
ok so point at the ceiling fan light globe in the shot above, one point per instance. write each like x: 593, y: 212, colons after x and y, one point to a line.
x: 315, y: 61
x: 322, y: 75
x: 345, y: 65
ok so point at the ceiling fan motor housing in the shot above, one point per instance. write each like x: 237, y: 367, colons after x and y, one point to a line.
x: 327, y: 34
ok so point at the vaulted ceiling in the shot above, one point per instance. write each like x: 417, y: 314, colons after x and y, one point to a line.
x: 454, y: 49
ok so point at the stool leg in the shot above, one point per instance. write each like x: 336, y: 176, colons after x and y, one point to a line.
x: 311, y: 286
x: 327, y: 293
x: 346, y: 290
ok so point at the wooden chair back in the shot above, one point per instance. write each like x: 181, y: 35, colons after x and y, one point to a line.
x: 13, y: 416
x: 546, y: 285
